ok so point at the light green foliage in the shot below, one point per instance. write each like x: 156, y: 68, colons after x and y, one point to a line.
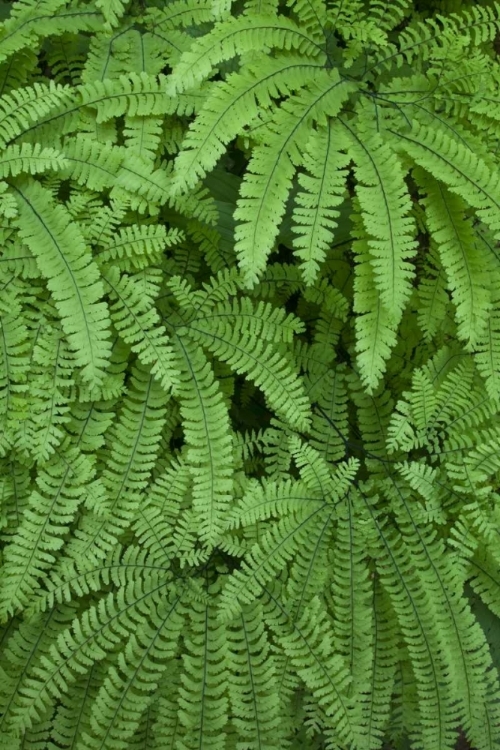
x: 249, y: 374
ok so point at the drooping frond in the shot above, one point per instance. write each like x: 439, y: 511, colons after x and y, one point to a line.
x: 384, y: 203
x: 269, y: 177
x: 202, y: 698
x: 315, y: 216
x: 461, y: 258
x: 134, y: 438
x: 72, y: 276
x: 207, y: 433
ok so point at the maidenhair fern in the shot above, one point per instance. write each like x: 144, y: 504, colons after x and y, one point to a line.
x: 249, y: 374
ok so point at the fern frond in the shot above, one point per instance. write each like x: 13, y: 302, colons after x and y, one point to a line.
x: 278, y: 545
x: 415, y: 614
x: 268, y: 179
x: 144, y: 189
x: 26, y: 645
x: 135, y: 94
x: 263, y: 364
x: 467, y: 273
x: 61, y: 485
x: 236, y: 36
x: 208, y: 435
x: 311, y: 16
x: 230, y: 105
x: 385, y: 205
x: 137, y: 322
x: 375, y: 326
x: 143, y: 136
x: 352, y: 597
x: 309, y: 646
x: 24, y: 106
x: 31, y: 19
x: 376, y: 701
x: 314, y: 216
x: 24, y: 157
x: 202, y: 698
x: 14, y: 364
x: 72, y: 276
x: 50, y: 388
x: 253, y: 689
x: 91, y: 163
x: 133, y: 448
x: 112, y: 10
x: 89, y: 639
x: 436, y: 36
x: 137, y: 245
x: 179, y: 13
x: 126, y: 690
x: 487, y: 354
x: 66, y: 59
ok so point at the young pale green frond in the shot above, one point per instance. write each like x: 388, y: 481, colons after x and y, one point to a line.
x: 435, y: 37
x: 224, y: 284
x: 135, y: 94
x: 146, y: 190
x: 235, y: 37
x: 261, y: 320
x: 262, y: 501
x: 315, y: 216
x: 33, y: 159
x: 463, y: 171
x: 136, y: 245
x: 378, y: 15
x: 179, y: 13
x: 24, y: 106
x: 72, y: 276
x: 142, y: 135
x: 112, y: 10
x: 385, y: 205
x: 31, y: 19
x: 91, y: 163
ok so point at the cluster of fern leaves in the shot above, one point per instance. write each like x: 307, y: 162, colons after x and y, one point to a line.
x: 249, y: 374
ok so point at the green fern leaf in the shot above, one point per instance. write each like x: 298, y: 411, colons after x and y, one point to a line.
x: 72, y: 276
